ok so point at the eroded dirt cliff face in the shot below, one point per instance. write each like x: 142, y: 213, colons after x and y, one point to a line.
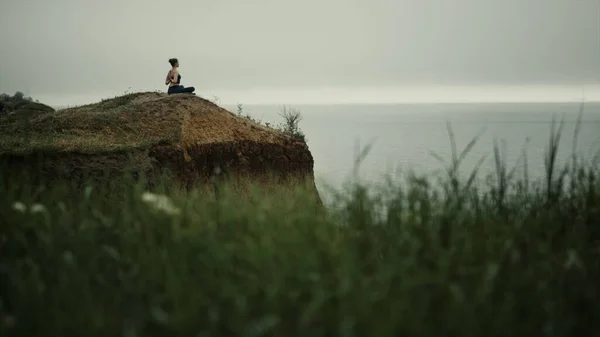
x: 239, y: 163
x: 150, y: 133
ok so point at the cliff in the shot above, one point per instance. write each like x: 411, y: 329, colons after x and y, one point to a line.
x: 192, y: 138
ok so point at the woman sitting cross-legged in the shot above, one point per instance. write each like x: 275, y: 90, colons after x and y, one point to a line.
x: 173, y: 80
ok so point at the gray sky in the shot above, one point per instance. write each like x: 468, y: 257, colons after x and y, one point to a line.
x: 82, y: 48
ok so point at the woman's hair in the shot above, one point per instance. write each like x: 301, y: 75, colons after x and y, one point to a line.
x: 173, y: 61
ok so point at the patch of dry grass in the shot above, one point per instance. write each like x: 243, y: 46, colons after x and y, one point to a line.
x: 137, y: 120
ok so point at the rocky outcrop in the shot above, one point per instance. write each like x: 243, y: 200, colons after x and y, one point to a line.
x: 192, y: 138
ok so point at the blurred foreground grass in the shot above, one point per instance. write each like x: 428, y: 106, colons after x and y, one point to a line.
x: 421, y: 257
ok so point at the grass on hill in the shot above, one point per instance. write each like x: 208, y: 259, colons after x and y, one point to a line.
x: 17, y: 107
x: 122, y: 124
x: 422, y: 257
x: 107, y: 126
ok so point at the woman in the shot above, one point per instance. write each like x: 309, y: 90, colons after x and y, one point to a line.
x: 173, y: 80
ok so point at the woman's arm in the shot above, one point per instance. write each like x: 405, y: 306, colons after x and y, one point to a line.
x: 174, y: 74
x: 168, y: 79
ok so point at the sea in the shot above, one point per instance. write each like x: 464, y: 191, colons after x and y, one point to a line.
x: 372, y: 144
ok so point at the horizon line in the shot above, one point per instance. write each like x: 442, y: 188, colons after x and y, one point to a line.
x: 364, y: 95
x: 65, y: 106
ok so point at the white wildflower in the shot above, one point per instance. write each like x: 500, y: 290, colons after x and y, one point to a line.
x: 19, y: 207
x: 87, y: 192
x: 68, y: 257
x: 492, y: 271
x: 37, y: 208
x: 159, y: 315
x: 160, y: 202
x: 573, y: 260
x: 149, y: 197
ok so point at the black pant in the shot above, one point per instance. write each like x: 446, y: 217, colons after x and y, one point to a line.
x: 180, y: 89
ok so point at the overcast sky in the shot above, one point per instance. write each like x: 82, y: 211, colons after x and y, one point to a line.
x: 76, y: 49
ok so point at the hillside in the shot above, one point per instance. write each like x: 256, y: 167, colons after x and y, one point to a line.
x: 149, y: 132
x: 13, y: 108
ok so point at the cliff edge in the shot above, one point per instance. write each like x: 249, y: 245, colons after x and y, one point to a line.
x: 150, y: 132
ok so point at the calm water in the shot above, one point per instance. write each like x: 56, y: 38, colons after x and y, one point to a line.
x: 404, y: 136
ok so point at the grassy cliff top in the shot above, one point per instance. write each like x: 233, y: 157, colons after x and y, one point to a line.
x: 132, y: 121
